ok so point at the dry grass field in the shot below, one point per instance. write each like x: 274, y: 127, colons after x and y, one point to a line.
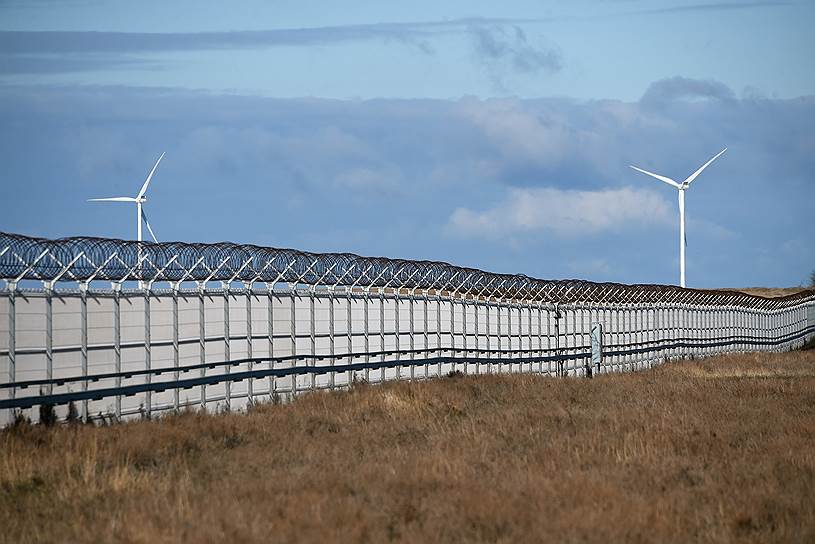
x: 720, y: 450
x: 770, y: 292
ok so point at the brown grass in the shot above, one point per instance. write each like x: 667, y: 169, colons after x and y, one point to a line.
x: 769, y: 292
x: 718, y: 450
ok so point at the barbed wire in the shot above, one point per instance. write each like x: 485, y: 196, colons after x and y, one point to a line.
x: 85, y: 259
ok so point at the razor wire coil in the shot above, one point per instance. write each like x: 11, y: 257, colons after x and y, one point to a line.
x: 85, y: 259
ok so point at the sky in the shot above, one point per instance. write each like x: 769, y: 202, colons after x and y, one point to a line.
x: 485, y: 134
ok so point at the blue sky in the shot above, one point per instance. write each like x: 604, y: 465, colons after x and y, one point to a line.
x: 495, y: 135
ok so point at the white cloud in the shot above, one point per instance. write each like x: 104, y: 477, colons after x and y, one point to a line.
x: 564, y: 213
x: 542, y: 137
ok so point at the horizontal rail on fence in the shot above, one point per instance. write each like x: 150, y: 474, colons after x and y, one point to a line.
x: 220, y: 338
x: 304, y: 336
x: 281, y: 359
x: 708, y: 343
x: 608, y: 350
x: 129, y: 390
x: 98, y: 394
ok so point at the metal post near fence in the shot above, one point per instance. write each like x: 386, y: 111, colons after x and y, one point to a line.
x: 596, y: 349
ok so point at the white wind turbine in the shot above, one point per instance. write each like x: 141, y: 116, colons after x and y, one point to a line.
x: 681, y: 187
x: 139, y: 199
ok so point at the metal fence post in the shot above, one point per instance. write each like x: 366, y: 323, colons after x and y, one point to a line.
x: 680, y: 330
x: 293, y: 332
x: 614, y: 335
x: 349, y: 329
x: 227, y: 351
x: 585, y: 334
x: 247, y: 287
x: 202, y: 339
x: 312, y: 334
x: 382, y: 330
x: 489, y: 336
x: 559, y: 367
x: 117, y: 343
x: 529, y: 335
x: 83, y: 301
x: 366, y: 300
x: 331, y: 347
x: 476, y: 305
x: 412, y: 338
x: 573, y: 360
x: 656, y: 344
x: 12, y: 340
x: 175, y: 287
x: 426, y: 333
x: 49, y: 337
x: 270, y: 334
x: 548, y: 341
x: 464, y: 332
x: 148, y: 357
x: 540, y: 337
x: 511, y: 336
x: 706, y: 328
x: 439, y: 351
x: 500, y: 339
x: 453, y: 352
x: 506, y: 328
x: 397, y: 332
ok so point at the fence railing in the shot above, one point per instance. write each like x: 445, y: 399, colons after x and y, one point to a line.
x: 121, y: 328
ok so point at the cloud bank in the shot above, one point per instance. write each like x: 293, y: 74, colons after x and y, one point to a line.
x: 496, y: 41
x: 683, y: 88
x: 500, y: 44
x: 564, y: 213
x: 534, y: 186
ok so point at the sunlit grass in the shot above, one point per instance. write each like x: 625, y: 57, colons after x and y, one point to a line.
x: 714, y: 450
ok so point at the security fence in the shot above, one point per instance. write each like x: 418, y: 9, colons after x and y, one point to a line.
x: 122, y: 328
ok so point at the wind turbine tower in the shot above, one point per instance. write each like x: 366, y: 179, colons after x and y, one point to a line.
x: 681, y: 187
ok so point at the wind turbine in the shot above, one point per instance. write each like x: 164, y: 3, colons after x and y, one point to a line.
x: 681, y: 187
x: 139, y: 199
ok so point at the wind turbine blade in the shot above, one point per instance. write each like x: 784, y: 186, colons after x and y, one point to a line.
x: 113, y: 199
x: 146, y: 222
x: 693, y: 176
x: 147, y: 181
x: 669, y: 181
